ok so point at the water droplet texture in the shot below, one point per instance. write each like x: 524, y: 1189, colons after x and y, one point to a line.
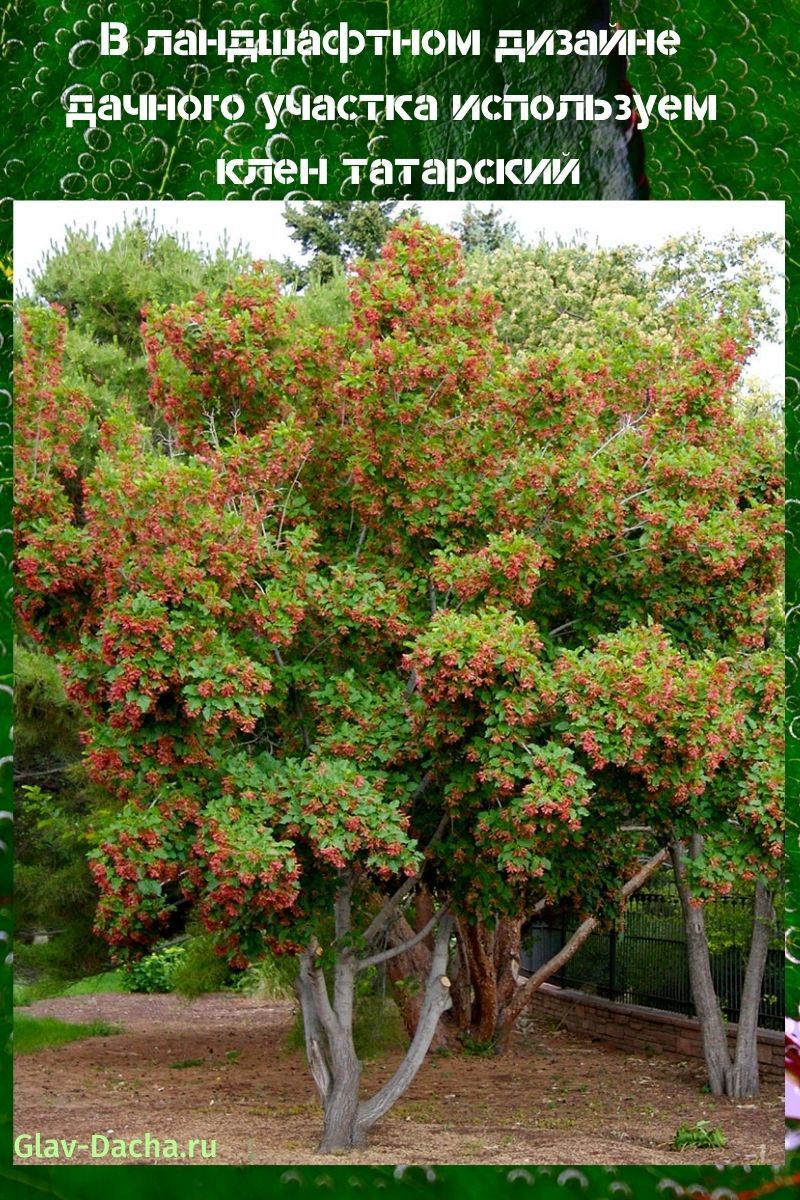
x: 63, y: 41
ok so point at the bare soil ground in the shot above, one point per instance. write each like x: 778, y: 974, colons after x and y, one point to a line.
x: 556, y: 1097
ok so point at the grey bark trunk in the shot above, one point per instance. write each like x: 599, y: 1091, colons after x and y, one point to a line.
x: 712, y: 1027
x: 341, y: 1130
x: 736, y: 1077
x: 744, y: 1080
x: 328, y: 1028
x: 331, y: 1054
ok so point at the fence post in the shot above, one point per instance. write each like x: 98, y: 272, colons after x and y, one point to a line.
x: 612, y: 965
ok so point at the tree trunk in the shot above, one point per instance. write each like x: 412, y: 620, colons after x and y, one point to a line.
x: 524, y: 994
x: 484, y: 978
x: 744, y: 1077
x: 461, y: 991
x: 408, y: 972
x: 737, y: 1078
x: 479, y: 940
x: 341, y: 1129
x: 436, y: 1001
x: 712, y: 1027
x: 328, y: 1028
x: 424, y: 909
x: 507, y: 947
x: 487, y: 998
x: 328, y: 1031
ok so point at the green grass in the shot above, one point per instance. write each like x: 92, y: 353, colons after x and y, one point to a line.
x: 270, y: 979
x: 377, y: 1029
x: 183, y: 1063
x: 42, y: 1033
x: 44, y: 989
x: 21, y: 994
x: 106, y: 981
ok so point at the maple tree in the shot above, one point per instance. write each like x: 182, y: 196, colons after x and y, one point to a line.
x: 396, y: 615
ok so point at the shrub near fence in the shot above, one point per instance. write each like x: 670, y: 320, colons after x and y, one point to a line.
x: 645, y: 962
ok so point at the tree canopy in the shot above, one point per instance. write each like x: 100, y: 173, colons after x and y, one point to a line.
x: 574, y: 298
x: 392, y: 602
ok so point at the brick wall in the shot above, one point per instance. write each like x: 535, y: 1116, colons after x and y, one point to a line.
x: 631, y: 1027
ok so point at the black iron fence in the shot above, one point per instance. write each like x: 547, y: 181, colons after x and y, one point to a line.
x: 645, y: 962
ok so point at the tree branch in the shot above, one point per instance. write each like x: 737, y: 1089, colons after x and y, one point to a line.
x: 318, y: 990
x: 634, y: 495
x: 625, y: 425
x: 289, y: 496
x: 643, y: 874
x: 341, y: 906
x: 312, y: 1030
x: 389, y: 907
x: 524, y: 994
x: 362, y: 535
x: 560, y: 628
x: 345, y: 967
x: 45, y: 771
x: 420, y: 790
x: 437, y: 1000
x: 393, y: 951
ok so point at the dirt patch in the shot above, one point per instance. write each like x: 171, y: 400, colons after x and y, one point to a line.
x: 556, y: 1097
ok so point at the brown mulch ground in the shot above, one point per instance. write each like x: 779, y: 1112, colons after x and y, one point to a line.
x: 557, y: 1097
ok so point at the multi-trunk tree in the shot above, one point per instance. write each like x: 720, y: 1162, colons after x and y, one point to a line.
x: 393, y: 616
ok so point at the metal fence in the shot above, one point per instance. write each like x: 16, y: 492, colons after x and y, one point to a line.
x: 645, y: 962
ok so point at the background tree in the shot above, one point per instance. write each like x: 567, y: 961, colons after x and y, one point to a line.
x: 484, y: 230
x: 103, y: 290
x: 53, y: 888
x: 572, y: 297
x: 336, y: 232
x: 393, y: 606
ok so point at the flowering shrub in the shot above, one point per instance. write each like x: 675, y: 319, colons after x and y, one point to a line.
x: 388, y: 596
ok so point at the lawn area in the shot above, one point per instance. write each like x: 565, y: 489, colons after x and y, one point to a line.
x: 42, y: 1033
x: 106, y: 981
